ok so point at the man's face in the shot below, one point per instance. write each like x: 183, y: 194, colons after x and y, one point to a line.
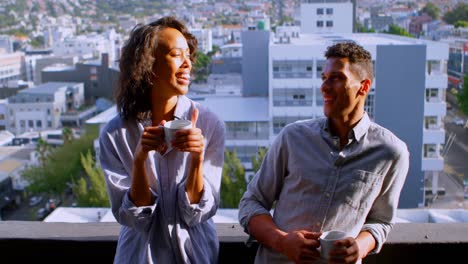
x: 341, y: 89
x: 172, y: 66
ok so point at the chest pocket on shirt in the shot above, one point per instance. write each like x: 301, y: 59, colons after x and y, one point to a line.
x: 362, y: 188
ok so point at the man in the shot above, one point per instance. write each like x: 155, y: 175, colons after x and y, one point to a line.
x: 341, y: 172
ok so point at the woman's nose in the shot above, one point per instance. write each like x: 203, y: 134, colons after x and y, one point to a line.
x: 187, y: 63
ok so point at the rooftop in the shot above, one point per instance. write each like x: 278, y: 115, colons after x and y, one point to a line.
x: 47, y: 88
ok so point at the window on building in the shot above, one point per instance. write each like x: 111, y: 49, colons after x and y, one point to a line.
x: 319, y: 23
x: 318, y: 97
x: 430, y: 151
x: 38, y: 123
x: 2, y: 116
x: 30, y: 123
x: 329, y: 11
x: 48, y: 111
x: 319, y: 11
x: 320, y: 66
x: 22, y: 123
x: 49, y: 123
x: 432, y: 95
x: 281, y: 121
x: 369, y: 104
x: 292, y: 69
x: 430, y: 122
x: 292, y: 97
x: 329, y: 23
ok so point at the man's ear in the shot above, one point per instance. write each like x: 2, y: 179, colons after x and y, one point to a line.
x: 365, y: 87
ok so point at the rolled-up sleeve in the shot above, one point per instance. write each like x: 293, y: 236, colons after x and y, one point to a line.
x: 381, y: 217
x: 193, y: 214
x: 265, y: 187
x: 118, y: 184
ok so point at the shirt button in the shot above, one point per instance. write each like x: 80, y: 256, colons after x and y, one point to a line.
x: 327, y: 195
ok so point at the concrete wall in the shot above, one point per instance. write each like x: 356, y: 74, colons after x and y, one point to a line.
x: 399, y: 106
x: 31, y: 242
x: 255, y: 45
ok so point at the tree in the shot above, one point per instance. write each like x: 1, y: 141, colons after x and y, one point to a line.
x: 459, y: 13
x: 201, y: 67
x: 396, y: 30
x: 258, y: 158
x: 431, y: 9
x: 233, y: 183
x: 461, y: 23
x: 463, y: 96
x: 67, y: 134
x: 362, y: 29
x: 91, y: 192
x: 216, y: 49
x: 60, y: 166
x: 37, y: 41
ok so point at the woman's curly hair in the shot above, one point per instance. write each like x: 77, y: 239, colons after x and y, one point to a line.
x: 133, y: 94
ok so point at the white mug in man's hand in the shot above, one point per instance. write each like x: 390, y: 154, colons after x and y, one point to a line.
x: 327, y: 239
x: 171, y: 127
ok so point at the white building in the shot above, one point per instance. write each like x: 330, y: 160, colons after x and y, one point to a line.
x: 3, y: 113
x: 295, y: 80
x: 247, y: 124
x: 89, y: 46
x: 205, y: 39
x: 40, y: 108
x: 326, y: 16
x: 6, y: 44
x: 11, y: 67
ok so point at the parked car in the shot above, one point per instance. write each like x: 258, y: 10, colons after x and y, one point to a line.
x: 42, y: 213
x: 35, y: 200
x: 458, y: 121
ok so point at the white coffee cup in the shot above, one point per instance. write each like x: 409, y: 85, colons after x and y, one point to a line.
x: 171, y: 127
x: 327, y: 239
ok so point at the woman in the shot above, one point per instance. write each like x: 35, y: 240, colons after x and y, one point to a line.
x: 163, y: 195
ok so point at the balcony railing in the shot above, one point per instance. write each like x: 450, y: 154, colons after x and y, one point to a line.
x: 31, y: 242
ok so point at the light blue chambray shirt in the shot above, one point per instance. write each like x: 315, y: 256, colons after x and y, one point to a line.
x: 318, y: 187
x: 171, y: 230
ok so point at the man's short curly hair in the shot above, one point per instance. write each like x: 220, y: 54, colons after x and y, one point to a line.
x: 133, y: 94
x: 359, y: 58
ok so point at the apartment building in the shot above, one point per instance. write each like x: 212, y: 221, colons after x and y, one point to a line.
x: 408, y: 96
x: 11, y: 67
x: 458, y: 61
x: 327, y: 16
x: 90, y: 46
x: 99, y: 77
x: 40, y: 108
x: 205, y: 39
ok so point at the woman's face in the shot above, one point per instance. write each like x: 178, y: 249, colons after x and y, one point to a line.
x: 172, y: 66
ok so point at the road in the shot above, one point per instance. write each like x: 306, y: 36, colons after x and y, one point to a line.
x: 455, y: 169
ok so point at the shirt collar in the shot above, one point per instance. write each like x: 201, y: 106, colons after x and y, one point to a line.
x: 183, y: 108
x: 362, y: 127
x: 357, y: 132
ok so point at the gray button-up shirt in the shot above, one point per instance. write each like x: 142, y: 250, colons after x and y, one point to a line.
x: 318, y: 187
x: 171, y: 230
